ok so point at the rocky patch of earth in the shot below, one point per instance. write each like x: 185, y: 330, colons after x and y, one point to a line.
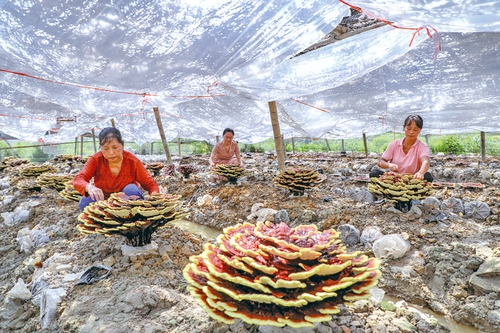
x: 442, y: 255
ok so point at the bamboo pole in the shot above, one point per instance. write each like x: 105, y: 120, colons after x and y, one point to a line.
x: 81, y: 146
x: 277, y: 135
x: 483, y: 146
x: 11, y: 149
x: 327, y: 144
x: 151, y: 151
x: 284, y: 147
x: 293, y: 144
x: 365, y: 144
x: 343, y: 148
x: 179, y: 146
x: 76, y: 145
x: 93, y: 139
x: 162, y: 134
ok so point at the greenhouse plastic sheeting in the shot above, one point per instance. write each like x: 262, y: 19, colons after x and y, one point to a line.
x: 67, y: 67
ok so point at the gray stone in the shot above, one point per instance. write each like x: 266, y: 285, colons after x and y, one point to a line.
x: 282, y: 216
x: 404, y: 324
x: 379, y: 328
x: 494, y: 317
x: 349, y: 234
x: 487, y: 277
x: 324, y: 329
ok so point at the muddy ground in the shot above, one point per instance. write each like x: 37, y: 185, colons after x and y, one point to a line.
x: 450, y: 268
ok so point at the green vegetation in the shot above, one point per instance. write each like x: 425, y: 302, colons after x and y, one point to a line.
x: 447, y: 144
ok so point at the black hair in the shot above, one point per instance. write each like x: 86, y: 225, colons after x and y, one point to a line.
x: 107, y: 134
x: 416, y: 118
x: 226, y: 130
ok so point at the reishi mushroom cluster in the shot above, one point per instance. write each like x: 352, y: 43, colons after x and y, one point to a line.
x: 31, y: 170
x: 70, y: 193
x: 231, y: 171
x: 186, y: 169
x: 130, y: 216
x: 297, y: 180
x: 155, y: 168
x: 271, y: 274
x: 400, y: 189
x: 56, y: 181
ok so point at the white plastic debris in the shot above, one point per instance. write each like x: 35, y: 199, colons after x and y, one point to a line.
x: 390, y: 246
x: 20, y: 291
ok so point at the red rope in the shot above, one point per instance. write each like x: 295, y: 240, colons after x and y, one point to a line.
x: 312, y: 106
x: 417, y: 30
x: 144, y: 94
x: 74, y: 85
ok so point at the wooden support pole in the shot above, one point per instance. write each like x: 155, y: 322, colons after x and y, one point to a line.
x: 343, y: 148
x: 113, y: 122
x: 483, y: 146
x: 76, y: 145
x: 293, y: 144
x: 93, y: 139
x: 327, y: 144
x: 81, y: 146
x: 151, y: 149
x: 162, y: 134
x: 11, y: 149
x: 284, y: 146
x: 277, y: 135
x: 179, y: 146
x: 365, y: 144
x: 217, y: 139
x: 427, y: 140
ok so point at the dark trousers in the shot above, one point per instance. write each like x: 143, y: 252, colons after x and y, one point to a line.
x: 130, y: 189
x: 377, y: 172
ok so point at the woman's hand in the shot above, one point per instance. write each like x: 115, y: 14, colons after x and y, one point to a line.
x: 418, y: 175
x: 393, y: 167
x: 94, y: 192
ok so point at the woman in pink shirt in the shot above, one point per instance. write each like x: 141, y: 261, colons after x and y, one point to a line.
x: 407, y: 155
x: 112, y: 170
x: 225, y: 152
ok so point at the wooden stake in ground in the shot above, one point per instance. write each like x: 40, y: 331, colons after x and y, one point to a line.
x: 365, y: 144
x: 277, y: 135
x: 483, y: 146
x: 162, y: 134
x: 81, y: 145
x: 93, y: 139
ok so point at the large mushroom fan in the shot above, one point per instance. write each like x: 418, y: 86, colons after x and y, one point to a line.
x: 297, y: 180
x: 231, y: 171
x: 135, y: 218
x: 271, y: 274
x: 400, y: 188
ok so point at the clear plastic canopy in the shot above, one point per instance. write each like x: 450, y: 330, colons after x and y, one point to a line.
x: 67, y: 67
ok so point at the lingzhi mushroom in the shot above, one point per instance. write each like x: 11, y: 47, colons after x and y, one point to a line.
x: 271, y: 274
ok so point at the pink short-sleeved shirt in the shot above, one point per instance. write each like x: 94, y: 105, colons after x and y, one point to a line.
x: 407, y: 163
x: 221, y: 155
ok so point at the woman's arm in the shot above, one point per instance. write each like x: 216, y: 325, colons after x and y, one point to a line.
x: 426, y: 162
x: 238, y: 155
x: 82, y: 179
x: 145, y: 179
x: 385, y: 164
x: 214, y: 156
